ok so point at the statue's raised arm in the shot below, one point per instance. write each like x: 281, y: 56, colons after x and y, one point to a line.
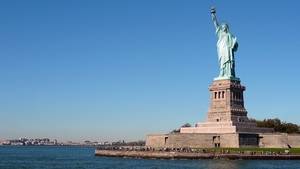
x: 226, y: 46
x: 214, y: 17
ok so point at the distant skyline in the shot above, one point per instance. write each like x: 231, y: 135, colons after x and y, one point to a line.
x: 114, y: 70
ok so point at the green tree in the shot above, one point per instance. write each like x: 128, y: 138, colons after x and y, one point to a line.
x: 278, y: 125
x: 178, y: 130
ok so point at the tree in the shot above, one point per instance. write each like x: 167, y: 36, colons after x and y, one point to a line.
x: 187, y: 125
x: 278, y: 125
x: 178, y: 130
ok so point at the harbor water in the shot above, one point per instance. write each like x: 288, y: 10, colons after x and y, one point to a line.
x: 64, y: 157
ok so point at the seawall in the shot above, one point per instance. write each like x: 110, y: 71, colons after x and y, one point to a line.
x: 192, y: 155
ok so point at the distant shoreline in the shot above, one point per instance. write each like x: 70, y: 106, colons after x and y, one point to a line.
x: 47, y: 146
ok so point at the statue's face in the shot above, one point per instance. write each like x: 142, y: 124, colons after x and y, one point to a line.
x: 225, y: 27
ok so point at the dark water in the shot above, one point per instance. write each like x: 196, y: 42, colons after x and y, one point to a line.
x: 83, y: 158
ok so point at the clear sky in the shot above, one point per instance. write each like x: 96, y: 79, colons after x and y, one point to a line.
x: 109, y: 70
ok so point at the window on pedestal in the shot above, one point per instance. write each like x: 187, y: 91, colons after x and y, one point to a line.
x: 216, y: 141
x: 166, y: 140
x: 216, y: 95
x: 223, y: 94
x: 234, y: 95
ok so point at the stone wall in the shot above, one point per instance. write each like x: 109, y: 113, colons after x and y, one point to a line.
x: 193, y: 140
x: 248, y: 140
x: 156, y: 140
x: 190, y: 140
x: 193, y: 155
x: 230, y: 140
x: 209, y: 140
x: 294, y: 140
x: 279, y: 140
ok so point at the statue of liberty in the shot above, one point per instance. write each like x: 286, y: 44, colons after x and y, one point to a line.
x: 226, y: 45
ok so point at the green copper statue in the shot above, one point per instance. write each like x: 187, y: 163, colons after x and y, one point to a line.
x: 226, y: 45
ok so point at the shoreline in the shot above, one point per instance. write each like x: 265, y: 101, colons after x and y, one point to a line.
x: 192, y: 155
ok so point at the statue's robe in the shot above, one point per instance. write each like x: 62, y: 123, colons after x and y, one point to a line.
x: 227, y: 45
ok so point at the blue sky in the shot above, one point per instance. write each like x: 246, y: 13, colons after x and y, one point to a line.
x: 109, y: 70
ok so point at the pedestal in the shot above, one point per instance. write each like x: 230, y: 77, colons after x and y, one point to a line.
x: 226, y: 113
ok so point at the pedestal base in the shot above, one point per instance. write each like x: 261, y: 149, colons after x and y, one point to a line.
x: 225, y: 127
